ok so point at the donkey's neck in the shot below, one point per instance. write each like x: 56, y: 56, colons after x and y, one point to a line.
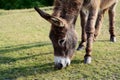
x: 67, y: 9
x: 69, y: 17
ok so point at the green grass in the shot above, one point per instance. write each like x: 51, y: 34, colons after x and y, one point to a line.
x: 26, y: 52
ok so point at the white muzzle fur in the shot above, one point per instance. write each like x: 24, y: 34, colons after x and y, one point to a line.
x: 64, y: 61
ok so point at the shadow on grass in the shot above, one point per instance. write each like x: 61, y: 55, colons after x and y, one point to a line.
x: 102, y: 41
x: 14, y: 73
x: 4, y: 60
x: 22, y: 46
x: 77, y: 61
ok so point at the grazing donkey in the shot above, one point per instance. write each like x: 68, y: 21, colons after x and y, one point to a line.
x: 63, y: 19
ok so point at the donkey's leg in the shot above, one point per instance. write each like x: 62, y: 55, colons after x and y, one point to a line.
x: 90, y: 28
x: 111, y: 13
x: 98, y: 23
x: 83, y: 17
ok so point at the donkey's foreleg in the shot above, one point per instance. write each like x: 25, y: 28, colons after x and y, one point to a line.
x: 111, y: 13
x: 83, y: 17
x: 98, y: 24
x: 90, y: 28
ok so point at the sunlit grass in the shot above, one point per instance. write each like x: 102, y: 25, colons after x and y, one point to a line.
x: 26, y: 52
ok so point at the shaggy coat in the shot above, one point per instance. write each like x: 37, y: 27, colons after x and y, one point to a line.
x: 63, y: 19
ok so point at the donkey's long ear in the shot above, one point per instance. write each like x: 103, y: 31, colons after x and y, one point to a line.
x: 54, y: 20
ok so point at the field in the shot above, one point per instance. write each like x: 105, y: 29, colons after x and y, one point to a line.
x: 26, y: 53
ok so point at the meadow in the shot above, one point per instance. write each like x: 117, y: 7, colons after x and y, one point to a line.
x: 26, y: 53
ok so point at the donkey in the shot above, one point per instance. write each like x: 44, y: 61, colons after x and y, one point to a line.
x: 63, y: 34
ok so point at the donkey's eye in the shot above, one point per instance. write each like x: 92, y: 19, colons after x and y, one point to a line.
x: 61, y: 42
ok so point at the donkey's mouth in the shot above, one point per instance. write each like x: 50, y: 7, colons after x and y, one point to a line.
x: 61, y: 62
x: 58, y: 66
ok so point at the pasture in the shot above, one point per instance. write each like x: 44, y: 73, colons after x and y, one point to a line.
x: 26, y: 53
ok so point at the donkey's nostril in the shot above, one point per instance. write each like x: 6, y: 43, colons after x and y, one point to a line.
x: 58, y: 66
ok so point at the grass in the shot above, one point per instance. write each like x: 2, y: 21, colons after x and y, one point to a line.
x: 26, y: 52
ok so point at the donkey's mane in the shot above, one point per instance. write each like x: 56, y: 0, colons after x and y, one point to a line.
x: 67, y: 9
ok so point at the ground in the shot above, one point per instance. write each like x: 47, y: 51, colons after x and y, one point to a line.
x: 26, y: 53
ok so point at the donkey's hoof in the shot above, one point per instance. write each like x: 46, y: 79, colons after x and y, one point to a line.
x: 87, y: 60
x: 113, y: 39
x: 81, y: 47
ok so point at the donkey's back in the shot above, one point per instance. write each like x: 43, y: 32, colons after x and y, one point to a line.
x: 107, y: 3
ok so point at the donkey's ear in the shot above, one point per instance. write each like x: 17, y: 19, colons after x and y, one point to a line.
x: 54, y: 20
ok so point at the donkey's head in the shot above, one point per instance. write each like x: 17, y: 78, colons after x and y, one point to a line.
x: 62, y: 34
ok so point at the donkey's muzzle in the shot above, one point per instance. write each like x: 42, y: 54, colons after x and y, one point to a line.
x: 58, y: 66
x: 61, y: 62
